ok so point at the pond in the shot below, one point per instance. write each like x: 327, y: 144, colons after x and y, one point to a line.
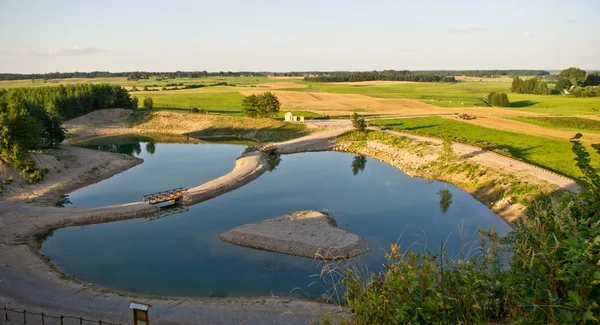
x: 182, y: 255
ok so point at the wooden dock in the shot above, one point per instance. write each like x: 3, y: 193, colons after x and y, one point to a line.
x: 173, y: 195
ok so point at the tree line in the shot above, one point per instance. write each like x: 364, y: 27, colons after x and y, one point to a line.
x: 529, y: 86
x: 387, y: 75
x: 30, y: 118
x: 136, y: 75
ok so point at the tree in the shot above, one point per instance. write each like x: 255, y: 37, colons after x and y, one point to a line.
x: 148, y: 103
x: 562, y: 84
x: 263, y: 105
x: 517, y: 85
x: 135, y: 102
x: 447, y: 153
x: 269, y: 104
x: 250, y: 105
x: 359, y: 164
x: 592, y: 79
x: 359, y: 123
x: 145, y: 88
x: 19, y: 132
x: 575, y: 75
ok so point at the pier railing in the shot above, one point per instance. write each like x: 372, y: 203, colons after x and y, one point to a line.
x: 164, y: 196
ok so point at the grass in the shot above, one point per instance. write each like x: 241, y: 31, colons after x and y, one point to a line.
x: 552, y: 154
x: 226, y: 102
x: 575, y: 124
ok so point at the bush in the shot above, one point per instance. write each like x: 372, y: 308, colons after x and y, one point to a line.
x: 148, y: 103
x: 497, y: 99
x: 195, y: 110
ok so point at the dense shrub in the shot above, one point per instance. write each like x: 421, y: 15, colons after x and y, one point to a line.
x: 585, y: 91
x: 195, y: 110
x: 497, y: 99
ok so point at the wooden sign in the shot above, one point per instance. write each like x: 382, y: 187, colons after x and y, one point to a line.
x: 140, y: 313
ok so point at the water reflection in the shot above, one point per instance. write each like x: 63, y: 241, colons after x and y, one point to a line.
x: 273, y: 161
x: 358, y: 164
x: 445, y: 200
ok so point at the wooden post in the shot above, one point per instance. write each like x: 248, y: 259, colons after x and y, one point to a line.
x: 24, y: 316
x: 100, y: 322
x: 80, y: 320
x: 5, y: 313
x: 61, y: 319
x: 42, y: 314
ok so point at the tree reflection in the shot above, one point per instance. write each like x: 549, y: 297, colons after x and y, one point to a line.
x: 273, y: 160
x: 150, y: 148
x: 445, y: 200
x: 358, y: 164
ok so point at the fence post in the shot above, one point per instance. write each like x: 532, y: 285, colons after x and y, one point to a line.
x: 24, y: 316
x: 61, y: 319
x: 5, y: 313
x: 80, y: 320
x: 100, y: 322
x: 42, y: 318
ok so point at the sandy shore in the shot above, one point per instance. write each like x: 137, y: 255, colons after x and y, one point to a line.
x: 28, y: 280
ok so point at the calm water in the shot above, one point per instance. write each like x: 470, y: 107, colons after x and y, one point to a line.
x: 182, y: 255
x: 166, y: 166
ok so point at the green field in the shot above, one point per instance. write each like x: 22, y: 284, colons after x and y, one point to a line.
x: 551, y: 154
x: 574, y: 124
x: 217, y: 102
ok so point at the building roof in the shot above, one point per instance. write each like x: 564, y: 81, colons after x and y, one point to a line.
x: 289, y: 114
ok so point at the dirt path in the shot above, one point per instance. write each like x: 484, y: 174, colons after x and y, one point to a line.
x: 494, y: 160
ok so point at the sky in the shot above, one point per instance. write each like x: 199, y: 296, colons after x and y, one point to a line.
x: 296, y: 35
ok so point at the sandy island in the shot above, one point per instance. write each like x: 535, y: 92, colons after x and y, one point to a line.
x: 304, y: 233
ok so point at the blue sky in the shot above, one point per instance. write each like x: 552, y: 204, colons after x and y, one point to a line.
x: 235, y: 35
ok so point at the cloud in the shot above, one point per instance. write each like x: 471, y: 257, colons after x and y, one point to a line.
x: 467, y: 30
x: 571, y: 21
x: 71, y: 51
x: 529, y: 35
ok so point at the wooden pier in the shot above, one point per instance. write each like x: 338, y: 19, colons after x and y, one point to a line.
x: 173, y: 195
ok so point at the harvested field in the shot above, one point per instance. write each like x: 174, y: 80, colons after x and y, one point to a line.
x: 345, y: 104
x: 280, y: 85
